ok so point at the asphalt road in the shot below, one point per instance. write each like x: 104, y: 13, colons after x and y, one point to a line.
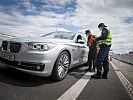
x: 126, y: 69
x: 16, y: 85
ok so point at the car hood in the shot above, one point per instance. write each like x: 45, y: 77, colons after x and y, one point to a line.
x: 38, y: 39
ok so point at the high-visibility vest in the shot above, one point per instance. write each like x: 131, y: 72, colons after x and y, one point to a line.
x: 90, y: 40
x: 107, y: 41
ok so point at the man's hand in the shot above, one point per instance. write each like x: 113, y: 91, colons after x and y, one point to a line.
x: 94, y: 39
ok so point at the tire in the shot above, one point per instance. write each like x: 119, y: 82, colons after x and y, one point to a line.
x: 61, y: 66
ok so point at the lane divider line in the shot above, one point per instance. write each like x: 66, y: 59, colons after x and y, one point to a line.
x: 125, y: 82
x: 73, y: 92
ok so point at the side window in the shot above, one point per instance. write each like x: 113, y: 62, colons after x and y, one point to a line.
x: 82, y: 38
x: 79, y: 37
x: 85, y: 42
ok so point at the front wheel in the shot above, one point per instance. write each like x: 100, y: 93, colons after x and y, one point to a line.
x: 61, y: 66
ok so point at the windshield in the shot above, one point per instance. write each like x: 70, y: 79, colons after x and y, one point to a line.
x: 60, y: 35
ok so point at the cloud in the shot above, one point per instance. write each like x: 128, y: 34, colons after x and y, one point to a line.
x: 27, y: 18
x: 115, y: 14
x: 36, y: 17
x: 19, y: 24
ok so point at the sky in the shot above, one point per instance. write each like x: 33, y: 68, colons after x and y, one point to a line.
x: 24, y: 18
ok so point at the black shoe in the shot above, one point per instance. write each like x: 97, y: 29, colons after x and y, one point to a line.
x: 104, y: 76
x: 96, y: 76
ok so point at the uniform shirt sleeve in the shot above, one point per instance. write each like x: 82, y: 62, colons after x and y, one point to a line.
x: 104, y: 35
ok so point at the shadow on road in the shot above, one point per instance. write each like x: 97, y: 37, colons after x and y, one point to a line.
x: 77, y: 72
x: 17, y: 78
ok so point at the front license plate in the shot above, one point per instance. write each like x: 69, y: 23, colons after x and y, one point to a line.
x: 7, y: 56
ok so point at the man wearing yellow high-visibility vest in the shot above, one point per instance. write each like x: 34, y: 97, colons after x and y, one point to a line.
x: 102, y: 61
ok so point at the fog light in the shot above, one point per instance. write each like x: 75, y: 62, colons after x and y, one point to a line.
x: 38, y: 67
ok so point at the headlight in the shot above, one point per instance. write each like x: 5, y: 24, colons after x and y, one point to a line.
x: 41, y: 46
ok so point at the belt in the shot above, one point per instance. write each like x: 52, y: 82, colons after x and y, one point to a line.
x: 104, y: 45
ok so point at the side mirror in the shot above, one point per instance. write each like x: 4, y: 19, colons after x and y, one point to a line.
x: 80, y: 41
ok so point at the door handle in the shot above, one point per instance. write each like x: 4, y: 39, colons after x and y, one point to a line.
x: 83, y: 46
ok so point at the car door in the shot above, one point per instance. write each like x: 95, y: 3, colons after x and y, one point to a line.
x: 83, y: 51
x: 80, y: 50
x: 76, y: 50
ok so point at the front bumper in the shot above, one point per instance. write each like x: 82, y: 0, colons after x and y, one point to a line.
x: 33, y: 62
x: 24, y: 65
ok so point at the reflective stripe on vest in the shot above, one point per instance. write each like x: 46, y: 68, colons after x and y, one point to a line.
x: 107, y: 41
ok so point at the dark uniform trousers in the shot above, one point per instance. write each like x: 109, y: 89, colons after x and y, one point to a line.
x: 92, y: 58
x: 102, y: 60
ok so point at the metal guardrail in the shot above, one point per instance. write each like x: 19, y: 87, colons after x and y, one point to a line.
x: 128, y: 58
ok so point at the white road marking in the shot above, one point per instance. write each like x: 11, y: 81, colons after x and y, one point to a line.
x: 73, y: 92
x: 126, y: 83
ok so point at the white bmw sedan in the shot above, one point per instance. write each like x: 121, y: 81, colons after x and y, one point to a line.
x: 52, y: 54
